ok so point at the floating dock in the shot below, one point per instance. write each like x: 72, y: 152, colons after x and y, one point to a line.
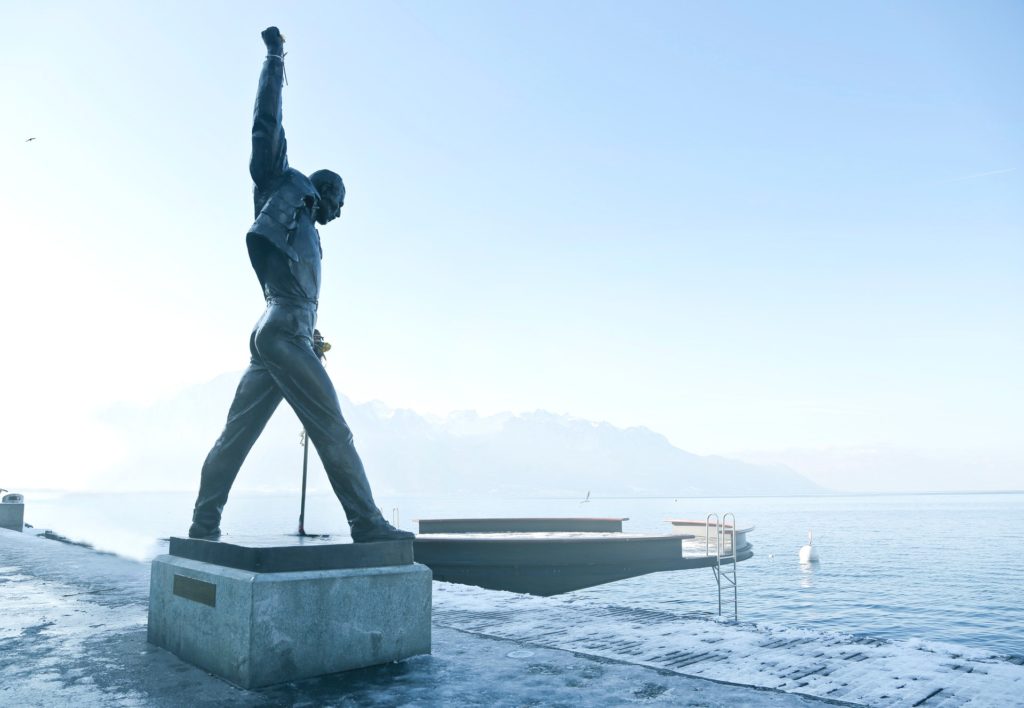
x: 550, y: 556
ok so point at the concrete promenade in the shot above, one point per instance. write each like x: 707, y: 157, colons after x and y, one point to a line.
x: 73, y: 633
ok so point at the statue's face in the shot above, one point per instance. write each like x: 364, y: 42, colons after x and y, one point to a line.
x: 332, y: 198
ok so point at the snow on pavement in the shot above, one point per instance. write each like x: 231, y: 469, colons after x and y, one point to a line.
x: 831, y: 666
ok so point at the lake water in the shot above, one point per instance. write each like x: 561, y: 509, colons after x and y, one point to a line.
x: 945, y: 568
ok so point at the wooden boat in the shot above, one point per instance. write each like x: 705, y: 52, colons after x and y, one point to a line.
x: 548, y: 556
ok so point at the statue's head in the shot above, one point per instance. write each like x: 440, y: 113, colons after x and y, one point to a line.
x: 332, y: 195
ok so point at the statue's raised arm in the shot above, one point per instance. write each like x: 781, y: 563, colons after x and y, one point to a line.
x: 269, y: 148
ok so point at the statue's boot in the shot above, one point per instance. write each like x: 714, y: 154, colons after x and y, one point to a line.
x: 348, y: 479
x: 380, y: 530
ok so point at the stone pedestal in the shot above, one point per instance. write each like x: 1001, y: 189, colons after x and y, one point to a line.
x: 263, y: 612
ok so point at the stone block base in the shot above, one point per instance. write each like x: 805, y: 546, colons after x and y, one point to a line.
x: 12, y: 516
x: 257, y: 629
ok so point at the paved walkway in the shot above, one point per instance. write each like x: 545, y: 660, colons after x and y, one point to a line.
x: 73, y: 633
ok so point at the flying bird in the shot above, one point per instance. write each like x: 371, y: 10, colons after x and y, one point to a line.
x: 587, y: 499
x: 30, y: 140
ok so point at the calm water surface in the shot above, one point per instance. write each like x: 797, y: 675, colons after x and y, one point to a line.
x: 943, y: 568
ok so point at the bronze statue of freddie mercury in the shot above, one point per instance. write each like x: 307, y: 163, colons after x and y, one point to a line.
x: 284, y: 248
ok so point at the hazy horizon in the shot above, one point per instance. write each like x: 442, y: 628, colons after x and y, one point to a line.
x: 169, y: 438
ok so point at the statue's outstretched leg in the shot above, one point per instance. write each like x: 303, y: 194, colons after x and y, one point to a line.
x: 255, y: 400
x: 284, y: 343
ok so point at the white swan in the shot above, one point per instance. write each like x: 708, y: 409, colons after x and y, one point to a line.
x: 808, y: 553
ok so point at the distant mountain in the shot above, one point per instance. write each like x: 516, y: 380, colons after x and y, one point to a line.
x: 405, y: 453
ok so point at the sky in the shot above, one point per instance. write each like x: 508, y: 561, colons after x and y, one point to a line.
x: 783, y: 232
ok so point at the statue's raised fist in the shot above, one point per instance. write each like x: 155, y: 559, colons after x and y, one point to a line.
x: 274, y: 40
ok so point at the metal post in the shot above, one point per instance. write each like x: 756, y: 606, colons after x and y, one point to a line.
x: 305, y: 465
x: 319, y: 347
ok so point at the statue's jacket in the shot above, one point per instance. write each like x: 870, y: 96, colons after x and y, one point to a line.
x: 284, y: 198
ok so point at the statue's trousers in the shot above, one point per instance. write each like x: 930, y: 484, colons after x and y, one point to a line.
x: 284, y: 365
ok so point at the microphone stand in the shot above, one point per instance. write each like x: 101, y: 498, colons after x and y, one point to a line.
x: 319, y: 347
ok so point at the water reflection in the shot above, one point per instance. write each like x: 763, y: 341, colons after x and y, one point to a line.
x: 807, y: 574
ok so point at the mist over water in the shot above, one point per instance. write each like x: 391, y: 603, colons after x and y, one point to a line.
x: 944, y: 568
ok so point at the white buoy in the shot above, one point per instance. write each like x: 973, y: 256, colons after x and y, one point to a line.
x: 808, y: 553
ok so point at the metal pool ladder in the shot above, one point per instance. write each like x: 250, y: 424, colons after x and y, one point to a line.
x: 723, y: 551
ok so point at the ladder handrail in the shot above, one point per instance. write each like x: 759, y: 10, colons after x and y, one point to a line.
x: 722, y: 534
x: 707, y: 534
x: 735, y: 562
